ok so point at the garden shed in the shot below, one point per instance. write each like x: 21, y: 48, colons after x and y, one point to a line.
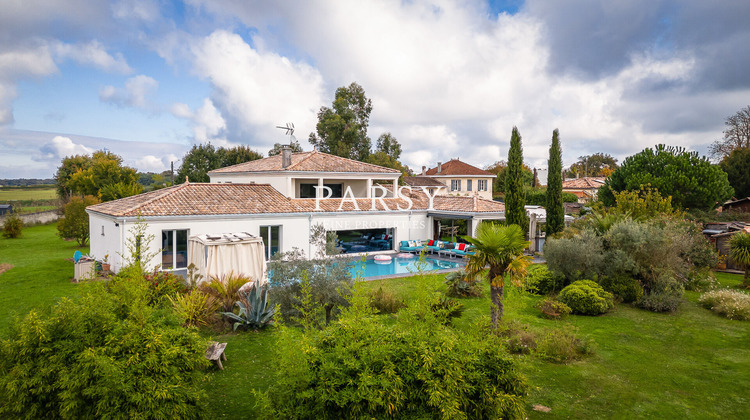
x: 221, y: 254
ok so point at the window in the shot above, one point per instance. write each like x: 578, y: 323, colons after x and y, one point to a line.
x: 468, y: 185
x: 174, y: 244
x: 271, y: 239
x: 455, y: 185
x: 308, y: 190
x: 482, y: 185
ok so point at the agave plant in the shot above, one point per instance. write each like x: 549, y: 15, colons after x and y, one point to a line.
x: 254, y: 311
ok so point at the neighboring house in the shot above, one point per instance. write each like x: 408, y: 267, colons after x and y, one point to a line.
x: 719, y: 234
x: 585, y: 188
x: 6, y: 209
x: 741, y: 205
x: 461, y: 179
x: 275, y: 198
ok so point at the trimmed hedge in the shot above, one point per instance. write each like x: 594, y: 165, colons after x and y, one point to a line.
x: 586, y: 297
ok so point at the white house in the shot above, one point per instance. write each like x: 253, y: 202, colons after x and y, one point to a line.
x: 281, y: 199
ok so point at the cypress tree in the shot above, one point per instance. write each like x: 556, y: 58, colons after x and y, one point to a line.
x: 555, y: 210
x: 515, y: 195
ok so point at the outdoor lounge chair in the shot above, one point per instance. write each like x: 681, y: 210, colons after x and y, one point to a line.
x: 435, y: 247
x: 462, y: 252
x: 404, y: 247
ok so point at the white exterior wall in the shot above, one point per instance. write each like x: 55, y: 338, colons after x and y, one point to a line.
x: 295, y: 229
x: 108, y: 243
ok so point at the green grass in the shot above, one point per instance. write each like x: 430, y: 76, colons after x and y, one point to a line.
x: 692, y: 364
x: 22, y: 194
x: 40, y: 274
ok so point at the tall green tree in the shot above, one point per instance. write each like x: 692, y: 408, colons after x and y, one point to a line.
x: 500, y: 248
x: 388, y: 145
x: 75, y: 223
x: 202, y: 158
x: 68, y: 167
x: 105, y: 177
x: 342, y: 129
x: 691, y: 180
x: 736, y: 135
x: 515, y: 194
x: 555, y: 211
x: 737, y: 167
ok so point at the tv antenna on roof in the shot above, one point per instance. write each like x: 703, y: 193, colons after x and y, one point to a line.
x: 289, y: 129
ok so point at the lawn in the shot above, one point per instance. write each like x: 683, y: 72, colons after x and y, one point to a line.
x: 691, y: 364
x: 40, y: 274
x: 26, y: 194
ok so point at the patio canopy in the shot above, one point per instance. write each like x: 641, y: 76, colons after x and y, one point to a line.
x: 224, y: 253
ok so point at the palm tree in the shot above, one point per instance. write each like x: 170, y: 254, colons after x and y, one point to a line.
x: 740, y: 253
x: 500, y: 248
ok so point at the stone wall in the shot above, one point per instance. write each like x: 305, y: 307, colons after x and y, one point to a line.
x: 42, y: 217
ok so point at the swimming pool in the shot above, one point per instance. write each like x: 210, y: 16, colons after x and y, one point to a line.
x: 371, y: 268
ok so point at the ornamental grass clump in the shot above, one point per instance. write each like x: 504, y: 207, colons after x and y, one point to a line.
x: 563, y: 345
x: 586, y: 297
x: 732, y: 304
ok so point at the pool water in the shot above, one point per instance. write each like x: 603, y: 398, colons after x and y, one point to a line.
x: 371, y: 268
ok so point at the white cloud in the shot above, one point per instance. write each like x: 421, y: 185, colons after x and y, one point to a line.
x: 144, y: 10
x: 135, y: 94
x: 92, y: 53
x: 429, y: 65
x: 151, y: 163
x: 255, y: 89
x: 59, y: 148
x: 33, y: 61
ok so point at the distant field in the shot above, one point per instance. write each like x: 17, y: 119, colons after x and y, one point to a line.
x: 20, y: 194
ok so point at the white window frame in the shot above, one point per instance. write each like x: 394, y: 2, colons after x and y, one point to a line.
x: 174, y: 250
x: 267, y: 241
x: 455, y: 185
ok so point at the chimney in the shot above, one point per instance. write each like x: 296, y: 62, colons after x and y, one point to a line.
x: 440, y: 167
x: 286, y: 157
x: 424, y: 170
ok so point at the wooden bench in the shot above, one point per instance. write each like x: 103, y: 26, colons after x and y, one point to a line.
x: 215, y: 353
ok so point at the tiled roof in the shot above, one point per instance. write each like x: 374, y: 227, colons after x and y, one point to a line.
x: 236, y: 199
x: 585, y: 183
x: 422, y: 181
x: 306, y: 162
x: 456, y: 167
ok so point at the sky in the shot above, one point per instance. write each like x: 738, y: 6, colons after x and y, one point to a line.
x: 449, y: 79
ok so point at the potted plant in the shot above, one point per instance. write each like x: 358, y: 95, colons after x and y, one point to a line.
x: 105, y: 265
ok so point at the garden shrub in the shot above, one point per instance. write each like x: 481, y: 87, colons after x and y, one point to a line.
x: 446, y: 308
x: 195, y: 308
x: 461, y: 285
x: 541, y: 281
x: 163, y: 284
x: 358, y: 367
x: 563, y: 345
x: 623, y: 287
x: 553, y: 309
x: 665, y: 294
x: 586, y: 297
x: 330, y: 283
x: 13, y: 226
x: 385, y: 302
x: 225, y: 288
x: 104, y: 354
x: 700, y: 280
x: 575, y: 258
x: 732, y: 304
